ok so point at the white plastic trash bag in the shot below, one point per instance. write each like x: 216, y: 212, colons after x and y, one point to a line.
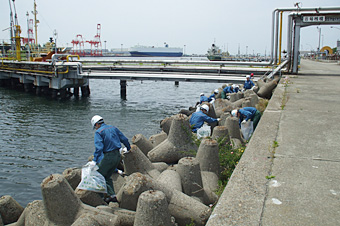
x: 204, y: 131
x: 247, y: 129
x: 92, y: 180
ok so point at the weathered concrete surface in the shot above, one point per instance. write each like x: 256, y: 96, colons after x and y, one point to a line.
x: 303, y: 119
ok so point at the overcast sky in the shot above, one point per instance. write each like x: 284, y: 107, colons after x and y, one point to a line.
x: 195, y: 24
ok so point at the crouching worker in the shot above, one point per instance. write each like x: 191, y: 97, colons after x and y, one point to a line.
x: 107, y: 142
x: 198, y: 118
x: 246, y: 113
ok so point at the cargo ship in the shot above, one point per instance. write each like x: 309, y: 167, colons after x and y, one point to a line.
x: 151, y: 51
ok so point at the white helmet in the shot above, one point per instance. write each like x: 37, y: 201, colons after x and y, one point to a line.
x: 234, y: 86
x: 202, y: 94
x: 216, y: 91
x: 248, y: 76
x: 205, y: 107
x: 95, y: 119
x: 234, y: 113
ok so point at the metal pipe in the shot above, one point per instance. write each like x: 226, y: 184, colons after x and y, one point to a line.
x: 276, y: 37
x: 280, y: 41
x: 315, y: 9
x: 272, y: 38
x: 289, y: 40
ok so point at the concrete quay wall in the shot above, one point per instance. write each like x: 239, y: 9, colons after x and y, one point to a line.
x: 243, y: 199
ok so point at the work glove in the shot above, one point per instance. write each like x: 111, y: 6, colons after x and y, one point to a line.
x: 123, y: 151
x: 244, y: 121
x: 91, y: 164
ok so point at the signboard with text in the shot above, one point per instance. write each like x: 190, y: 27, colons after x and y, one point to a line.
x: 321, y: 18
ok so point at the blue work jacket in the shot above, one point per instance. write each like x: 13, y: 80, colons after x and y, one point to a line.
x: 246, y: 113
x: 248, y: 84
x: 212, y: 96
x: 203, y: 99
x: 108, y: 138
x: 228, y: 89
x: 198, y: 118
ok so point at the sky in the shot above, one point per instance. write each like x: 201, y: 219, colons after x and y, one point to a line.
x: 190, y: 24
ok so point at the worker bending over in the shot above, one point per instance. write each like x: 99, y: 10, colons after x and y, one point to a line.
x: 198, y: 118
x: 246, y: 113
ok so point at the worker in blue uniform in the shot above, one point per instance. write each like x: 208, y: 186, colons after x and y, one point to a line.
x: 248, y: 84
x: 246, y: 113
x: 227, y: 89
x: 203, y: 98
x: 213, y: 96
x: 236, y: 88
x: 198, y: 118
x: 107, y: 142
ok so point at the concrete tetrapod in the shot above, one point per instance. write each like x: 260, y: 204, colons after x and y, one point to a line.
x: 126, y: 217
x: 207, y: 156
x: 220, y: 132
x: 142, y: 143
x: 94, y: 219
x: 267, y: 90
x: 246, y: 103
x: 160, y: 166
x: 152, y: 210
x: 189, y: 170
x: 73, y: 176
x: 233, y: 127
x: 248, y: 92
x: 254, y: 99
x: 178, y: 144
x: 210, y: 185
x: 233, y: 97
x: 90, y: 198
x: 60, y: 206
x: 171, y: 178
x: 158, y: 138
x: 10, y: 210
x: 136, y: 161
x: 181, y: 206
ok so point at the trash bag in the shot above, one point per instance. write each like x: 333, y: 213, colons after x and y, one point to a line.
x: 92, y: 180
x: 247, y: 129
x: 204, y: 131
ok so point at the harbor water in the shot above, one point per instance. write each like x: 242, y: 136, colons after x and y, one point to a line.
x: 40, y: 136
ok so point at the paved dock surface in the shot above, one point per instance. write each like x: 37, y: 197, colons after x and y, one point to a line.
x: 289, y: 173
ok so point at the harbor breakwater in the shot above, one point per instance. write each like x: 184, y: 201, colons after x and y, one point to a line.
x: 186, y: 187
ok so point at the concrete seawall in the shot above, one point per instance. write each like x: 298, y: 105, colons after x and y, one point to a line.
x: 289, y: 172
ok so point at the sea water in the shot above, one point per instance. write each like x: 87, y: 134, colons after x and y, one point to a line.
x: 40, y: 136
